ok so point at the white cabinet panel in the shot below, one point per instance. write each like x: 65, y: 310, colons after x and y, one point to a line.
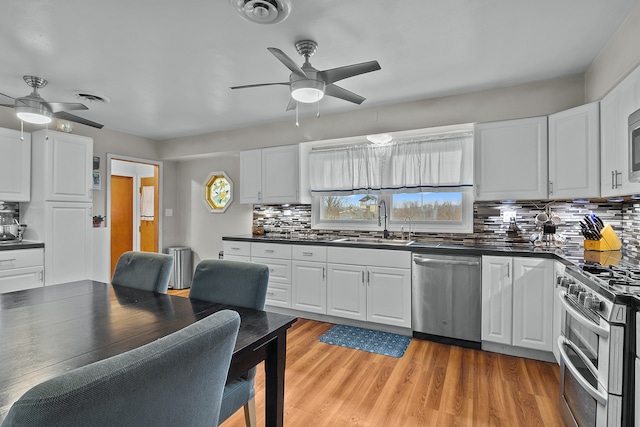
x: 277, y: 258
x: 309, y: 286
x: 389, y: 296
x: 15, y: 166
x: 346, y: 291
x: 511, y: 159
x: 497, y: 299
x: 533, y: 291
x: 68, y: 242
x: 21, y: 269
x: 574, y: 153
x: 250, y: 176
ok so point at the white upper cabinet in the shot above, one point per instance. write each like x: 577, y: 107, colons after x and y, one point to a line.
x: 15, y: 166
x: 574, y: 153
x: 274, y: 175
x: 511, y: 159
x: 615, y: 109
x: 62, y: 166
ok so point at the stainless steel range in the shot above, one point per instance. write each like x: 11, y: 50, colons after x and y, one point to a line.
x: 597, y: 345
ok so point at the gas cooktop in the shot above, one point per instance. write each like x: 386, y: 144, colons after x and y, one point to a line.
x: 618, y: 279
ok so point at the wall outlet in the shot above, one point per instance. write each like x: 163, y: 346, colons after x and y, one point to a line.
x: 507, y: 216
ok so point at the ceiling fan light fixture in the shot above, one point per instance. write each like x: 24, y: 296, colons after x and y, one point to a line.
x: 379, y: 138
x: 35, y: 115
x: 307, y: 91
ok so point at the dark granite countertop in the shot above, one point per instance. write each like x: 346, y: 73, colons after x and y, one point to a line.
x: 25, y: 244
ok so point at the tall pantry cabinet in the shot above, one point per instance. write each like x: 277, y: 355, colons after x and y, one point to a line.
x: 59, y: 213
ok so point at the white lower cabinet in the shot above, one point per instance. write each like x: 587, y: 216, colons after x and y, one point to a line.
x: 21, y: 269
x: 309, y: 279
x: 372, y: 285
x: 517, y: 302
x: 237, y: 251
x: 277, y: 258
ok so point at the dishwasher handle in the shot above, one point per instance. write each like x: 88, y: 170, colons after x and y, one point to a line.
x: 431, y: 261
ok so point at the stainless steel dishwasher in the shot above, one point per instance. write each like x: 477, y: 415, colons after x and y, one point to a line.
x: 447, y: 299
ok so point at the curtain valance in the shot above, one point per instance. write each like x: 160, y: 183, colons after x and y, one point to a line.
x: 433, y: 164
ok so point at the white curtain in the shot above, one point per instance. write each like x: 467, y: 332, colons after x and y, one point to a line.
x: 434, y: 164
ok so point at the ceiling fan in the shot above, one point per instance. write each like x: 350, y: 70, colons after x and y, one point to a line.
x: 308, y: 85
x: 34, y: 109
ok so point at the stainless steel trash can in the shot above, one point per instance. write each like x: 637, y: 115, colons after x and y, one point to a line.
x: 182, y: 271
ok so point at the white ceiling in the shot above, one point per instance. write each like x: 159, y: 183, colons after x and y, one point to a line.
x: 167, y: 65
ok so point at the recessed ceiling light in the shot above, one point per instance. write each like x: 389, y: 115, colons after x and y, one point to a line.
x: 262, y: 11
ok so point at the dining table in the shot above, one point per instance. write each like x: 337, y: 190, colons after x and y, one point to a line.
x: 50, y: 330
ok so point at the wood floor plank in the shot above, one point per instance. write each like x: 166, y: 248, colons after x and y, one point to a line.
x: 431, y: 385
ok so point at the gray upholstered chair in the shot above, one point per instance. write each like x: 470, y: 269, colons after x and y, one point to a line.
x: 241, y: 284
x: 177, y: 380
x: 143, y: 270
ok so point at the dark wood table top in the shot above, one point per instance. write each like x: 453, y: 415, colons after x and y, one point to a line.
x: 51, y: 330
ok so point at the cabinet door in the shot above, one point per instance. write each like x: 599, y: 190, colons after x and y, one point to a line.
x: 19, y: 279
x: 67, y: 254
x: 68, y: 167
x: 250, y: 176
x: 558, y: 272
x: 497, y: 299
x: 574, y: 153
x: 389, y: 296
x: 533, y: 291
x: 309, y: 286
x: 280, y: 174
x: 511, y: 159
x: 346, y: 293
x: 15, y: 166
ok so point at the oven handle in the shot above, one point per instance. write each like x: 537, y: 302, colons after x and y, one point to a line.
x: 597, y: 395
x: 603, y: 332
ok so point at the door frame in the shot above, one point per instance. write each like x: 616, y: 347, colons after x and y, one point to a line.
x: 110, y: 157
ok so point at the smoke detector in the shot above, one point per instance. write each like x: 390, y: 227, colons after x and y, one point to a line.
x: 262, y: 11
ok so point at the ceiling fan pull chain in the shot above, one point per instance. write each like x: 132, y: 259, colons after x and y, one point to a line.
x: 297, y: 122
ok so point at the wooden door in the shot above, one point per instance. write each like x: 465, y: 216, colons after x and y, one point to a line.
x: 149, y: 224
x: 121, y: 217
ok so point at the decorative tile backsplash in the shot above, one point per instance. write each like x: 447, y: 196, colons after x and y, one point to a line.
x: 488, y: 224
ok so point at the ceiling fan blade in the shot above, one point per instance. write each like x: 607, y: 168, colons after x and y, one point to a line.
x: 336, y: 74
x: 338, y: 92
x: 73, y: 118
x: 288, y: 62
x: 7, y: 105
x: 66, y: 106
x: 259, y: 84
x: 292, y: 104
x: 6, y: 95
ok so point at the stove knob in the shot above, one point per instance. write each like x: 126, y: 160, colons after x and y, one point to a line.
x: 592, y: 302
x: 565, y: 282
x: 582, y: 296
x: 575, y: 289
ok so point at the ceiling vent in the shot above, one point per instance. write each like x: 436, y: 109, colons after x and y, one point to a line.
x: 262, y: 11
x: 91, y: 97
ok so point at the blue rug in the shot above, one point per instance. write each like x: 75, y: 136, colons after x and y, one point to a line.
x: 365, y: 339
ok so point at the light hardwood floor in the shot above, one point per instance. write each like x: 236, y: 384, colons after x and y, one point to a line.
x: 431, y: 385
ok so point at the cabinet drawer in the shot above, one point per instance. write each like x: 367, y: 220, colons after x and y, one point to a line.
x: 19, y: 279
x: 239, y: 258
x: 21, y: 258
x: 279, y: 296
x: 310, y: 253
x: 279, y: 269
x: 270, y: 250
x: 236, y: 248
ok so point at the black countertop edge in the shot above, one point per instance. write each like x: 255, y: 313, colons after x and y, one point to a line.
x: 440, y: 248
x: 20, y: 245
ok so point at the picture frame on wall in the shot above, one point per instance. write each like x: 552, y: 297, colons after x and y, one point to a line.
x: 96, y: 181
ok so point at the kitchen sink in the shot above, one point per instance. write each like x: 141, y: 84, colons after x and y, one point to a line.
x: 374, y: 241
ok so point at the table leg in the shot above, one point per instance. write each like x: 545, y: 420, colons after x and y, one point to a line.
x: 274, y: 380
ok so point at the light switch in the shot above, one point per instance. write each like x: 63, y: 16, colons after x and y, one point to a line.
x: 507, y: 216
x: 168, y: 212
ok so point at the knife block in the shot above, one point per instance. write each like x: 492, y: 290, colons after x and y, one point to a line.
x: 608, y: 242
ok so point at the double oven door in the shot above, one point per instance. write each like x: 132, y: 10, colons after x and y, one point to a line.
x: 591, y: 368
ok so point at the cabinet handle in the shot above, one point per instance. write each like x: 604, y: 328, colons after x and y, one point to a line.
x: 508, y: 269
x: 613, y: 180
x: 368, y: 282
x: 323, y: 273
x: 259, y: 195
x: 8, y: 260
x: 235, y: 249
x: 618, y: 184
x: 307, y: 253
x: 550, y: 187
x: 42, y: 276
x: 270, y: 294
x: 269, y: 251
x: 362, y: 277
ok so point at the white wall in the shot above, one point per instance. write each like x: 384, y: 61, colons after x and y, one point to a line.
x: 619, y: 57
x: 198, y: 227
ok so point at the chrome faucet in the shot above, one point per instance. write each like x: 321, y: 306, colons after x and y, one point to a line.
x: 410, y: 227
x: 385, y: 232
